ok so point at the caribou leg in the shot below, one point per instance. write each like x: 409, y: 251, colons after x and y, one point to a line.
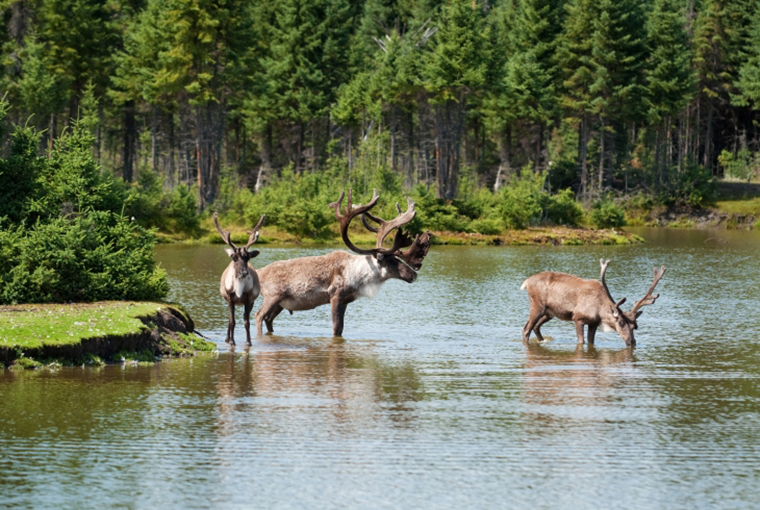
x: 338, y: 306
x: 231, y: 325
x: 540, y: 322
x: 535, y: 314
x: 592, y: 333
x: 266, y: 307
x: 247, y: 322
x: 579, y: 330
x: 271, y: 316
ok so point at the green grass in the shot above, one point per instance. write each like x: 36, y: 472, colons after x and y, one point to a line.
x: 743, y: 207
x: 29, y: 326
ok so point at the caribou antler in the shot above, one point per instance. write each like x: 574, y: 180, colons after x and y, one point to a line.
x: 351, y: 212
x: 255, y: 233
x: 604, y: 264
x: 226, y: 234
x: 386, y: 227
x: 649, y: 299
x: 402, y: 240
x: 419, y: 248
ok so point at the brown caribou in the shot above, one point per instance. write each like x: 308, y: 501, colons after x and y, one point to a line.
x: 239, y: 283
x: 339, y: 278
x: 585, y: 302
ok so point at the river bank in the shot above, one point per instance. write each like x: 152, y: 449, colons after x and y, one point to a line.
x: 34, y: 335
x: 530, y: 236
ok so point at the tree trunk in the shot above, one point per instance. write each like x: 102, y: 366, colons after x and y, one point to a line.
x: 449, y: 120
x: 602, y: 137
x: 210, y: 125
x: 583, y: 156
x: 173, y: 174
x: 153, y: 139
x: 130, y: 139
x: 505, y: 155
x: 707, y: 162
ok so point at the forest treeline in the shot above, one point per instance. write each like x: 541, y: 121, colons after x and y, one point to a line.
x: 599, y: 96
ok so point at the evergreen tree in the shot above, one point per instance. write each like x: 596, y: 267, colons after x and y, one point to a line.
x: 301, y: 69
x: 670, y: 77
x: 454, y: 70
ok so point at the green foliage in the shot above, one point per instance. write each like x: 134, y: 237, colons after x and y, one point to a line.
x: 562, y: 209
x: 694, y: 186
x: 296, y: 203
x: 153, y: 206
x: 607, y: 214
x: 72, y: 181
x: 96, y: 255
x: 62, y: 240
x: 523, y: 200
x: 744, y: 165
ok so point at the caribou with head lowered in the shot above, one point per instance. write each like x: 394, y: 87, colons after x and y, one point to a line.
x: 339, y: 278
x: 585, y: 302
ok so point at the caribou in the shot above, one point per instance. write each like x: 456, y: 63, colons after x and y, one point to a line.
x: 239, y: 283
x: 339, y: 278
x: 585, y: 302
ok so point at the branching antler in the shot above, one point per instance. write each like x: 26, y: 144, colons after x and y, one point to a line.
x: 402, y: 240
x: 649, y: 299
x: 226, y: 234
x: 255, y: 232
x: 419, y: 248
x: 604, y: 263
x: 351, y: 212
x: 383, y: 230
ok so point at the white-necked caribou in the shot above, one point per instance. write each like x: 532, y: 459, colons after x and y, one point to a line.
x: 339, y: 278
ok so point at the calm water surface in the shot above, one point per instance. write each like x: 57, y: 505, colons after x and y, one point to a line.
x: 431, y: 401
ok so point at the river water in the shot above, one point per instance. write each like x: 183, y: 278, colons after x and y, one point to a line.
x: 430, y: 401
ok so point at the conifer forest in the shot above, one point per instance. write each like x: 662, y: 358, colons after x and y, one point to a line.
x: 597, y: 96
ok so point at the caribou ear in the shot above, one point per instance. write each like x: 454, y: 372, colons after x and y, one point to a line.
x: 379, y: 257
x: 615, y: 312
x: 253, y: 253
x: 638, y: 314
x: 230, y: 251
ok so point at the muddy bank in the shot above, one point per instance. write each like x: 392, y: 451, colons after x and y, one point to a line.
x: 94, y: 333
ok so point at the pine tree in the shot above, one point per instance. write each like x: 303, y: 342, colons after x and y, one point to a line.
x: 720, y: 36
x: 454, y: 70
x: 303, y: 65
x: 670, y: 78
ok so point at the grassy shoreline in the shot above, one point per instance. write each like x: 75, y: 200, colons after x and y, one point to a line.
x: 34, y: 335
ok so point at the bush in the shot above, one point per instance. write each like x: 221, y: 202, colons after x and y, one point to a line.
x: 487, y: 226
x: 607, y: 214
x: 152, y: 206
x: 94, y: 256
x: 523, y: 200
x: 69, y: 243
x: 693, y: 186
x: 564, y: 210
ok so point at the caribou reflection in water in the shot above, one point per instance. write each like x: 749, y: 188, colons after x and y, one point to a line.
x: 344, y: 384
x: 563, y: 387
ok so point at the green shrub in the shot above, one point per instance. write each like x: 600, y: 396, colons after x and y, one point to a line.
x: 487, y: 226
x: 153, y: 206
x: 607, y: 214
x: 694, y: 186
x: 562, y: 209
x: 522, y: 201
x: 95, y: 256
x: 70, y: 243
